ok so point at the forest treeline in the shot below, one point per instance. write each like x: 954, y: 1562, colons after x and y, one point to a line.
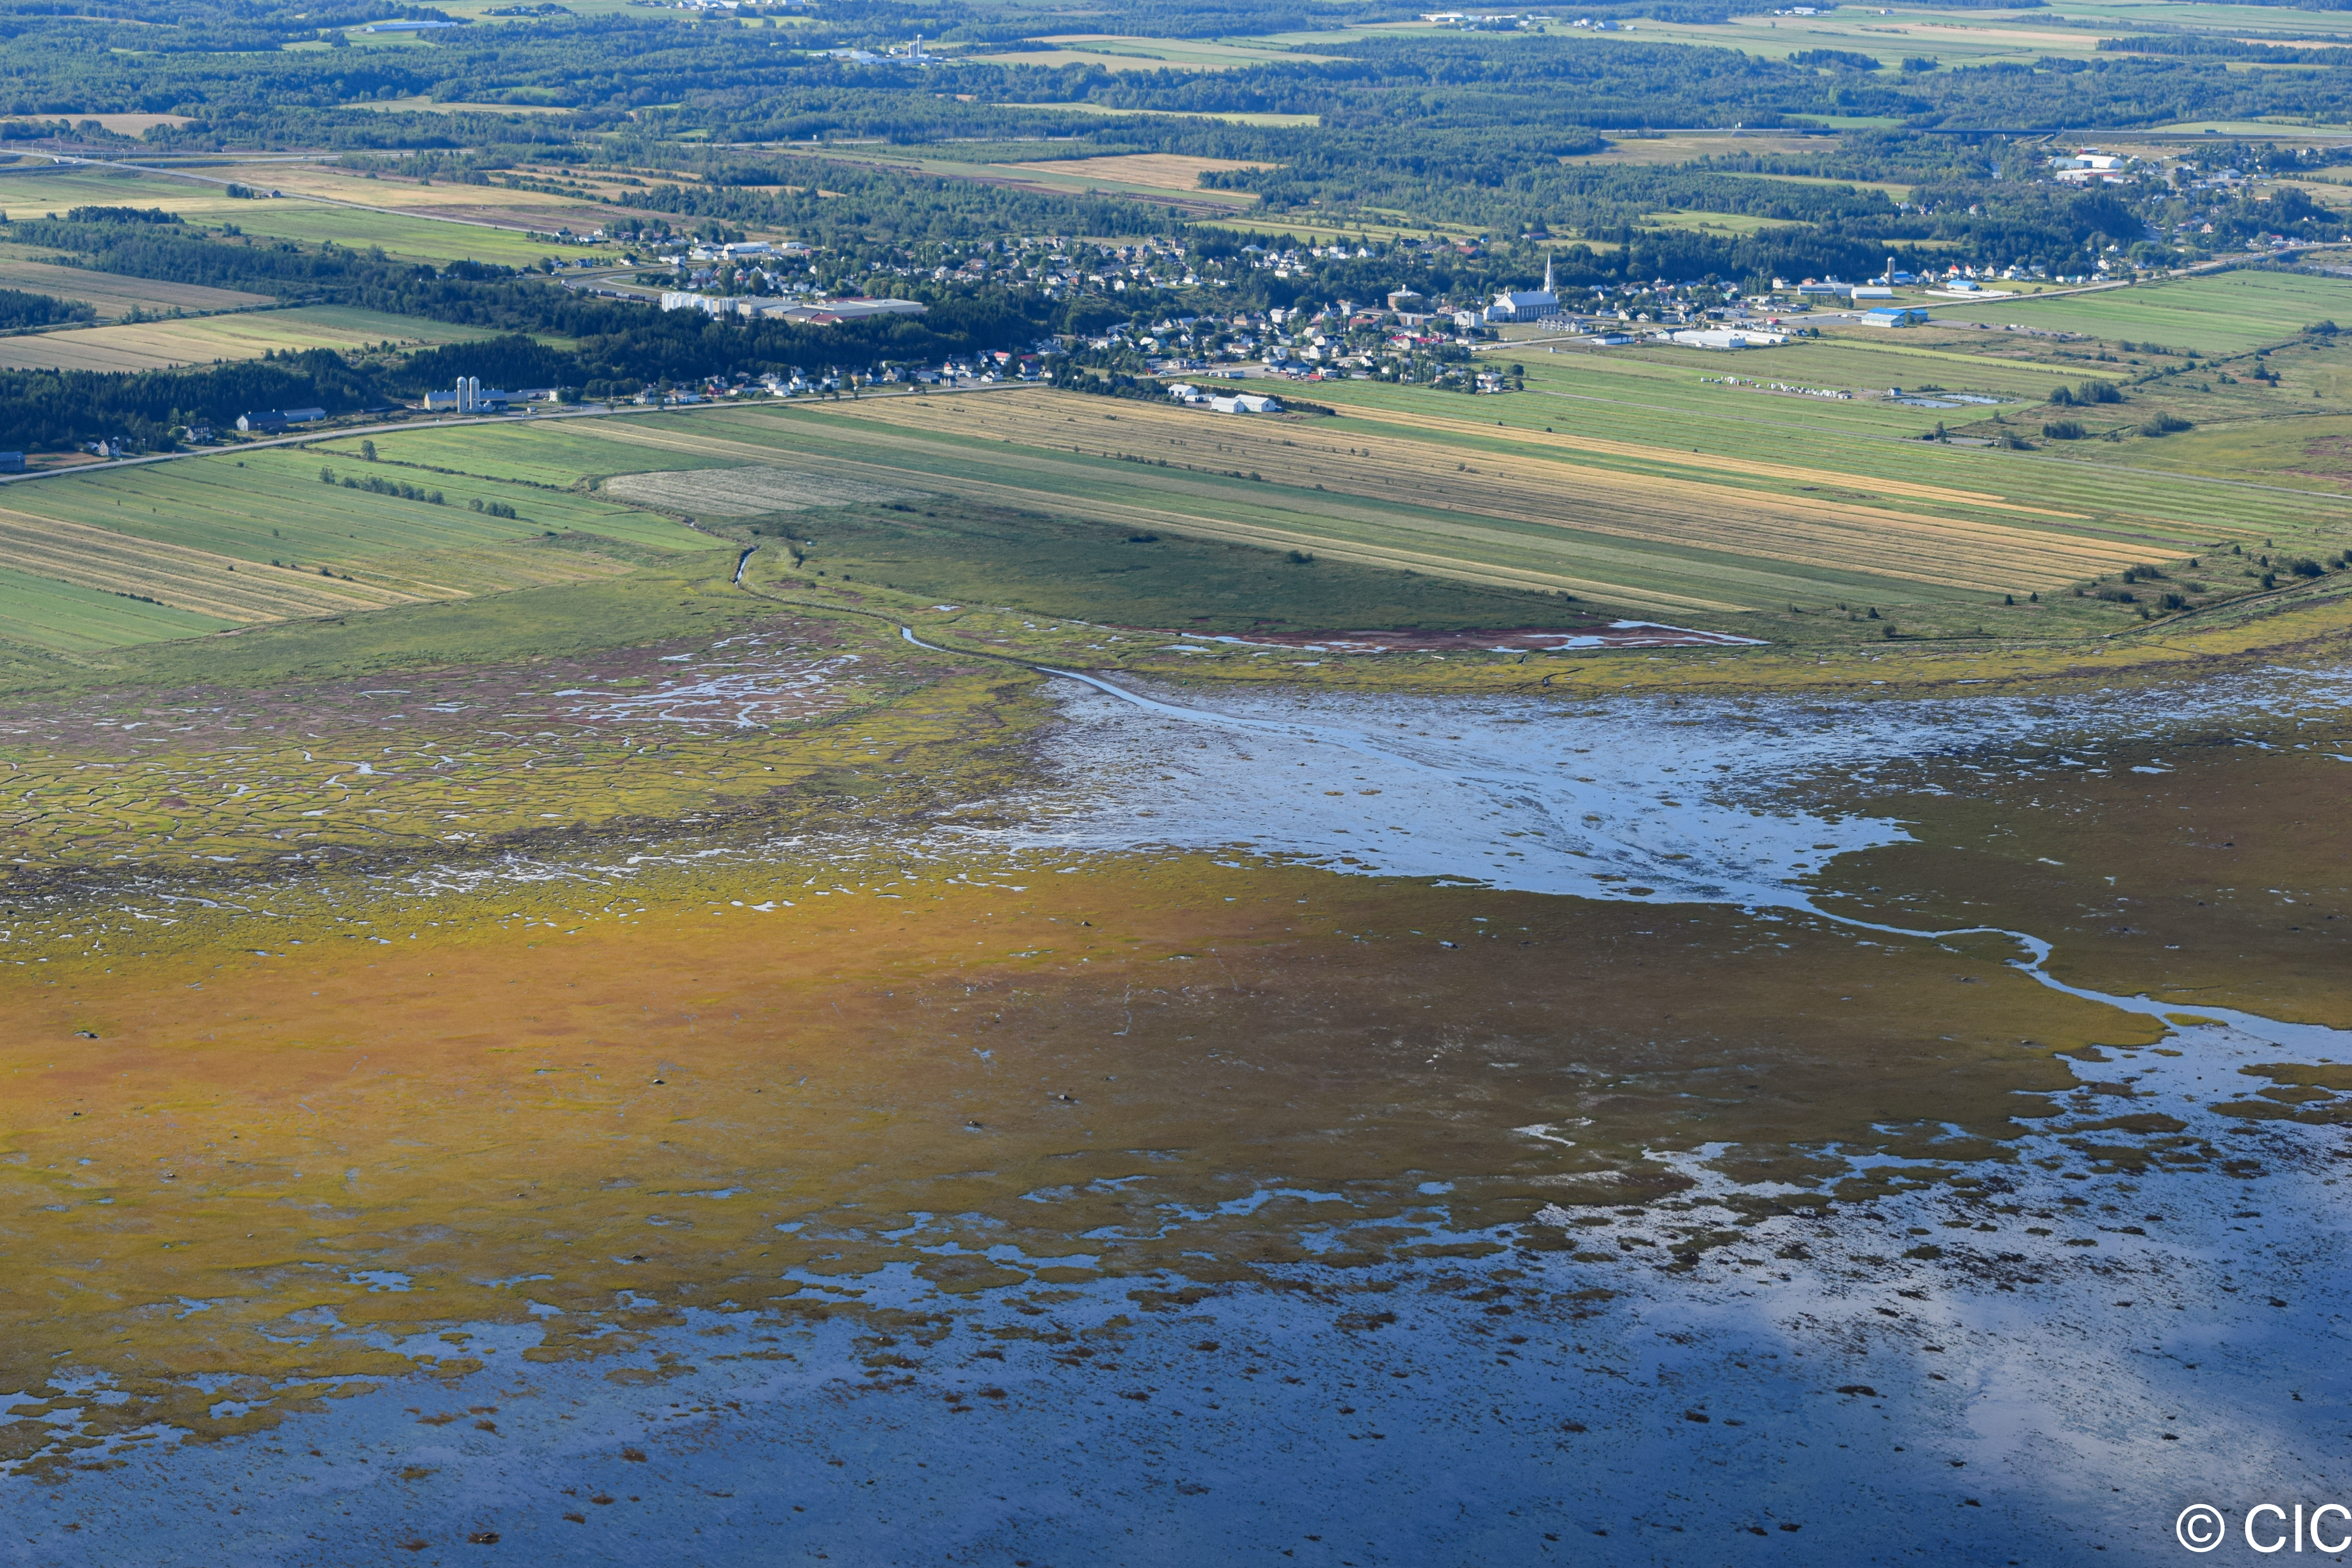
x: 754, y: 83
x: 19, y: 309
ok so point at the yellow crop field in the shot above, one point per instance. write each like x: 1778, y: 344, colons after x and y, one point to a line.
x: 194, y: 580
x: 1164, y: 171
x: 113, y: 295
x: 158, y: 345
x: 1836, y: 528
x: 1023, y: 479
x: 464, y: 573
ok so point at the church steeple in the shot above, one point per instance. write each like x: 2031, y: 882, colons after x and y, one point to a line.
x: 1547, y: 288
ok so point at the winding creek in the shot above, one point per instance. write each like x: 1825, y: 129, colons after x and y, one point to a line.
x: 2159, y: 1342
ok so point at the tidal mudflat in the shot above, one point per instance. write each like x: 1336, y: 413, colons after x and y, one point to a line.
x: 1338, y: 1126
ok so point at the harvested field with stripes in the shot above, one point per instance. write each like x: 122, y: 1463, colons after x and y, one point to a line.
x: 215, y: 541
x: 112, y: 295
x: 1822, y: 520
x: 203, y: 340
x: 194, y: 580
x: 1602, y: 507
x: 1765, y: 528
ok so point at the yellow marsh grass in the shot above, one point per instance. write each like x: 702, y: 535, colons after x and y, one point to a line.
x: 1986, y: 555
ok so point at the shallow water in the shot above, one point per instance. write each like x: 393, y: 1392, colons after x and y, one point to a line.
x: 2018, y: 1396
x: 1923, y: 1369
x: 1659, y: 800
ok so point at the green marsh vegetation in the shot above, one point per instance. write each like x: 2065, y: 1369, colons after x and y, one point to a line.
x: 1065, y: 566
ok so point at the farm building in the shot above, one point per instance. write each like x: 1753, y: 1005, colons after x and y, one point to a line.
x: 1246, y: 403
x: 269, y: 421
x: 12, y: 462
x: 1895, y: 316
x: 468, y: 397
x: 1711, y: 338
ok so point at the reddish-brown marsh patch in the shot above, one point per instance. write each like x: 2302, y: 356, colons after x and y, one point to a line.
x: 690, y: 1104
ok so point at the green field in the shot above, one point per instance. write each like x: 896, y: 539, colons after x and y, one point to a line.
x: 270, y: 505
x: 1120, y: 53
x: 73, y: 619
x: 307, y: 548
x: 1780, y: 508
x: 1859, y: 444
x: 2221, y: 313
x: 111, y: 295
x: 1645, y: 481
x: 1243, y: 118
x: 310, y: 222
x: 1065, y: 566
x: 1959, y: 39
x: 1077, y: 180
x: 559, y: 454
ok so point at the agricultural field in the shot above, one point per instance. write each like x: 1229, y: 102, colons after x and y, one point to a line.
x: 114, y: 296
x: 1109, y: 111
x: 423, y: 105
x: 1968, y: 39
x: 462, y: 227
x: 402, y: 197
x: 1798, y: 519
x: 1148, y: 174
x: 1723, y: 492
x: 1723, y: 224
x: 238, y: 541
x: 2226, y: 313
x: 130, y: 124
x: 203, y: 340
x: 1117, y: 52
x: 73, y: 617
x: 1954, y: 41
x: 2264, y: 408
x: 1665, y: 148
x: 1150, y: 171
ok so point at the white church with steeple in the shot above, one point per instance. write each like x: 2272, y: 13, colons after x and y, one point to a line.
x: 1530, y: 306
